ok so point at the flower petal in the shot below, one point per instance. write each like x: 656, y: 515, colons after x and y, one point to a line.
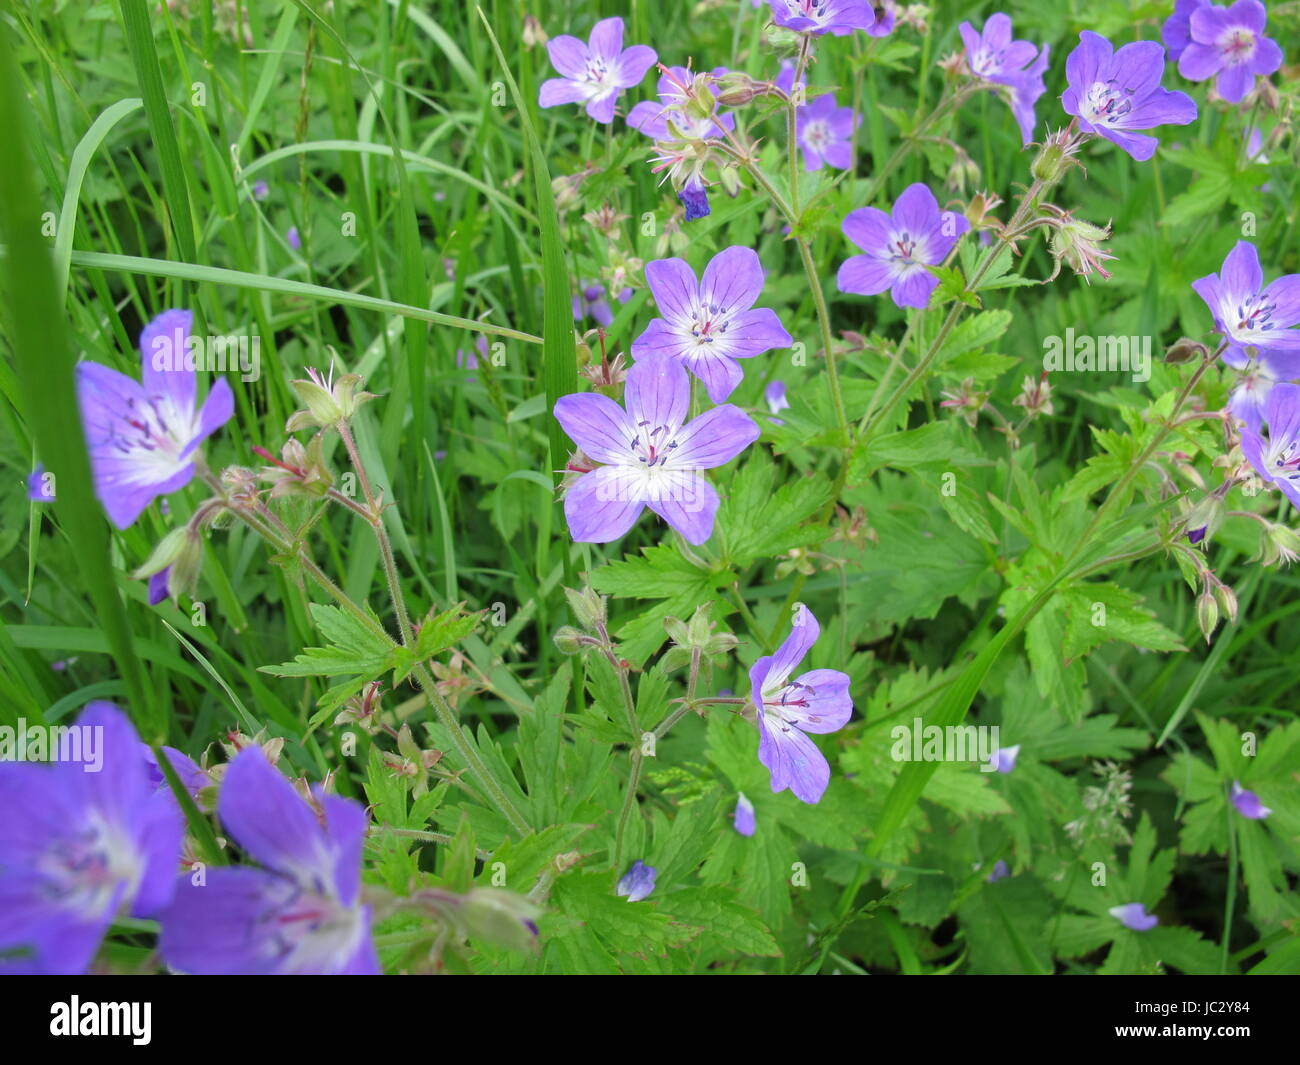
x: 596, y: 424
x: 602, y: 505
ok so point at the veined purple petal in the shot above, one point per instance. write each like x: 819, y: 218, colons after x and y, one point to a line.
x: 601, y: 506
x: 596, y: 424
x: 686, y: 501
x: 714, y: 438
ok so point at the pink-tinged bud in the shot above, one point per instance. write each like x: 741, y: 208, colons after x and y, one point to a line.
x: 1035, y: 396
x: 533, y: 34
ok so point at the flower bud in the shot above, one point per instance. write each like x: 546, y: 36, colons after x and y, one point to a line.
x: 1185, y: 349
x: 533, y: 34
x: 568, y: 640
x: 500, y: 917
x: 735, y: 89
x: 1227, y: 601
x: 588, y: 608
x: 1207, y: 614
x: 1280, y: 543
x: 1204, y: 519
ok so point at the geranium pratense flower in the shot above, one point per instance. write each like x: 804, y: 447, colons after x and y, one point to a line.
x: 593, y: 302
x: 1247, y: 803
x: 1017, y: 66
x: 1276, y: 454
x: 1177, y: 30
x: 78, y: 847
x: 710, y: 323
x: 595, y: 73
x: 142, y: 435
x: 816, y: 701
x: 682, y: 123
x: 1114, y: 93
x: 652, y: 455
x: 637, y: 882
x: 825, y: 133
x: 899, y: 247
x: 838, y: 17
x: 301, y: 914
x: 1230, y: 43
x: 1250, y: 314
x: 1134, y: 916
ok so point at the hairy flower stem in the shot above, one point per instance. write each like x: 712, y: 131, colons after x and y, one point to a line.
x: 946, y: 103
x: 629, y: 706
x: 441, y: 708
x: 791, y: 214
x: 376, y: 519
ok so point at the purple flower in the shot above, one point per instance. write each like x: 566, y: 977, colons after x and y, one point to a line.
x: 1004, y: 758
x: 592, y: 302
x: 1247, y: 399
x: 142, y: 436
x: 744, y: 821
x: 294, y: 239
x: 816, y: 701
x: 652, y: 456
x: 1114, y: 93
x: 637, y: 882
x: 1247, y: 803
x: 711, y: 323
x: 785, y: 80
x: 678, y: 130
x: 994, y: 57
x: 825, y: 133
x: 1250, y: 315
x: 1230, y: 42
x: 774, y: 395
x: 78, y: 847
x: 468, y: 360
x: 1276, y: 455
x: 40, y: 486
x: 899, y: 247
x: 1177, y: 30
x: 838, y: 17
x: 191, y: 776
x: 1133, y: 915
x: 885, y: 13
x: 1000, y: 872
x: 695, y: 198
x: 597, y: 72
x: 158, y: 586
x: 301, y: 914
x: 261, y: 190
x: 652, y: 118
